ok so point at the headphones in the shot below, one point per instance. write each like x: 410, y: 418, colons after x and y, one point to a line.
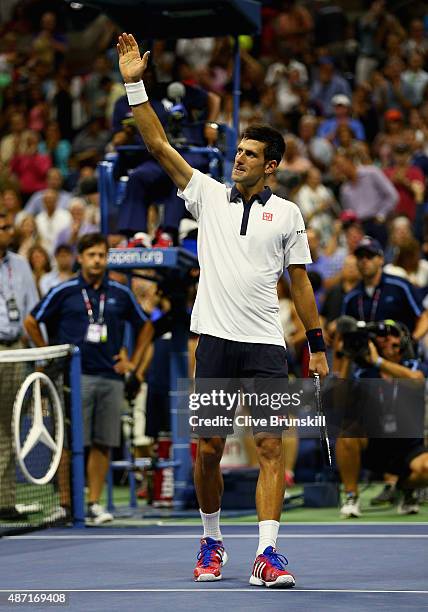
x: 396, y: 328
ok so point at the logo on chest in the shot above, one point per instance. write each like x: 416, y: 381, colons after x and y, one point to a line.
x: 267, y: 216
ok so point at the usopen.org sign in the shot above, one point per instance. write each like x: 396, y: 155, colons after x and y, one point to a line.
x: 137, y: 257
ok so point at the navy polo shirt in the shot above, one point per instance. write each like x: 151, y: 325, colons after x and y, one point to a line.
x: 64, y: 313
x: 394, y: 298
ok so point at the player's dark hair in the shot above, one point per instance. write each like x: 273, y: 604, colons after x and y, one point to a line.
x: 90, y: 240
x: 272, y: 139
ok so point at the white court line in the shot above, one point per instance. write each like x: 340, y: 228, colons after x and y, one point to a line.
x: 214, y: 590
x: 183, y: 536
x: 342, y: 523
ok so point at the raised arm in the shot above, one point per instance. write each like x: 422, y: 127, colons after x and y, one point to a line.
x: 132, y: 68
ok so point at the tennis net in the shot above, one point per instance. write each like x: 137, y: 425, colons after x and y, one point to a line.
x: 38, y: 405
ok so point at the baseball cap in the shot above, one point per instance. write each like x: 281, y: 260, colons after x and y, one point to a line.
x: 340, y: 100
x: 370, y: 245
x: 393, y: 114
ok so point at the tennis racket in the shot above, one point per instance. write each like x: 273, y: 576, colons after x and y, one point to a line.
x: 324, y: 439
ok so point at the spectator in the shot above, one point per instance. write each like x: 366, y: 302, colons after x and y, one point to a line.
x: 62, y: 271
x: 415, y: 77
x: 409, y: 265
x: 112, y: 92
x: 392, y: 135
x: 328, y: 129
x: 93, y: 93
x: 329, y: 267
x: 17, y: 296
x: 287, y: 79
x: 293, y: 162
x: 78, y: 227
x: 417, y: 39
x: 26, y: 234
x: 40, y: 264
x: 31, y: 167
x: 408, y: 180
x: 294, y: 24
x: 49, y: 45
x: 332, y: 306
x: 39, y: 111
x: 327, y: 85
x: 316, y: 203
x: 88, y: 190
x: 58, y: 148
x: 400, y: 232
x: 381, y: 296
x: 52, y: 220
x: 16, y: 141
x: 62, y: 102
x: 54, y: 180
x: 363, y: 109
x: 373, y: 28
x: 346, y: 143
x: 366, y: 191
x: 89, y: 144
x: 394, y: 92
x: 12, y: 201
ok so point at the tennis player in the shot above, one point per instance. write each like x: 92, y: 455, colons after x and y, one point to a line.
x: 246, y: 237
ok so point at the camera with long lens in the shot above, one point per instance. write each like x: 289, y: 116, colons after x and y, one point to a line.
x: 357, y: 334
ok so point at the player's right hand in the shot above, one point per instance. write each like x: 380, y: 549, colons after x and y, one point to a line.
x: 131, y: 65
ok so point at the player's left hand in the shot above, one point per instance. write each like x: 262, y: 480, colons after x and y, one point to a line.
x: 318, y: 364
x: 132, y: 66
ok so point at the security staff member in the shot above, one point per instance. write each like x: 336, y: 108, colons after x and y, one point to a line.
x: 18, y: 295
x: 90, y: 311
x: 382, y: 296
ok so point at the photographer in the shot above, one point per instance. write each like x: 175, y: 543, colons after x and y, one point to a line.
x: 387, y: 354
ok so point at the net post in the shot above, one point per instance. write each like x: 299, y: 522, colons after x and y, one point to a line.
x: 77, y: 451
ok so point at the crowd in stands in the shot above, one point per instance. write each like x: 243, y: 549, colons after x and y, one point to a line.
x: 348, y: 90
x: 350, y: 96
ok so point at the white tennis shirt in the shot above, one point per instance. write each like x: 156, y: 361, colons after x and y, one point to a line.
x: 243, y: 250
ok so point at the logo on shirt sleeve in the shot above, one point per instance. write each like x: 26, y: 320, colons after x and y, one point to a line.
x: 267, y: 216
x: 299, y: 232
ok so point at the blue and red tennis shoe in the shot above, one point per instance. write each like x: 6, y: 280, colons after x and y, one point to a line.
x: 211, y: 559
x: 269, y: 570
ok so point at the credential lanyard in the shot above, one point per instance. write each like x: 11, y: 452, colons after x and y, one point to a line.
x: 89, y: 309
x: 375, y: 304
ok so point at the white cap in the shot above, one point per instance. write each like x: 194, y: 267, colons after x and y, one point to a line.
x: 340, y: 99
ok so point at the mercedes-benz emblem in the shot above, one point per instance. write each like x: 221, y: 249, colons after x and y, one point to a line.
x: 38, y: 433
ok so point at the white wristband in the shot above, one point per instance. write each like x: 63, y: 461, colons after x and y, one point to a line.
x: 136, y: 93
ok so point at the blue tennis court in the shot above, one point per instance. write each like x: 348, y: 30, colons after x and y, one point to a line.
x: 337, y: 566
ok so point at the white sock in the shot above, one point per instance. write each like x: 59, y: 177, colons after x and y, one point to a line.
x: 268, y: 533
x: 211, y: 523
